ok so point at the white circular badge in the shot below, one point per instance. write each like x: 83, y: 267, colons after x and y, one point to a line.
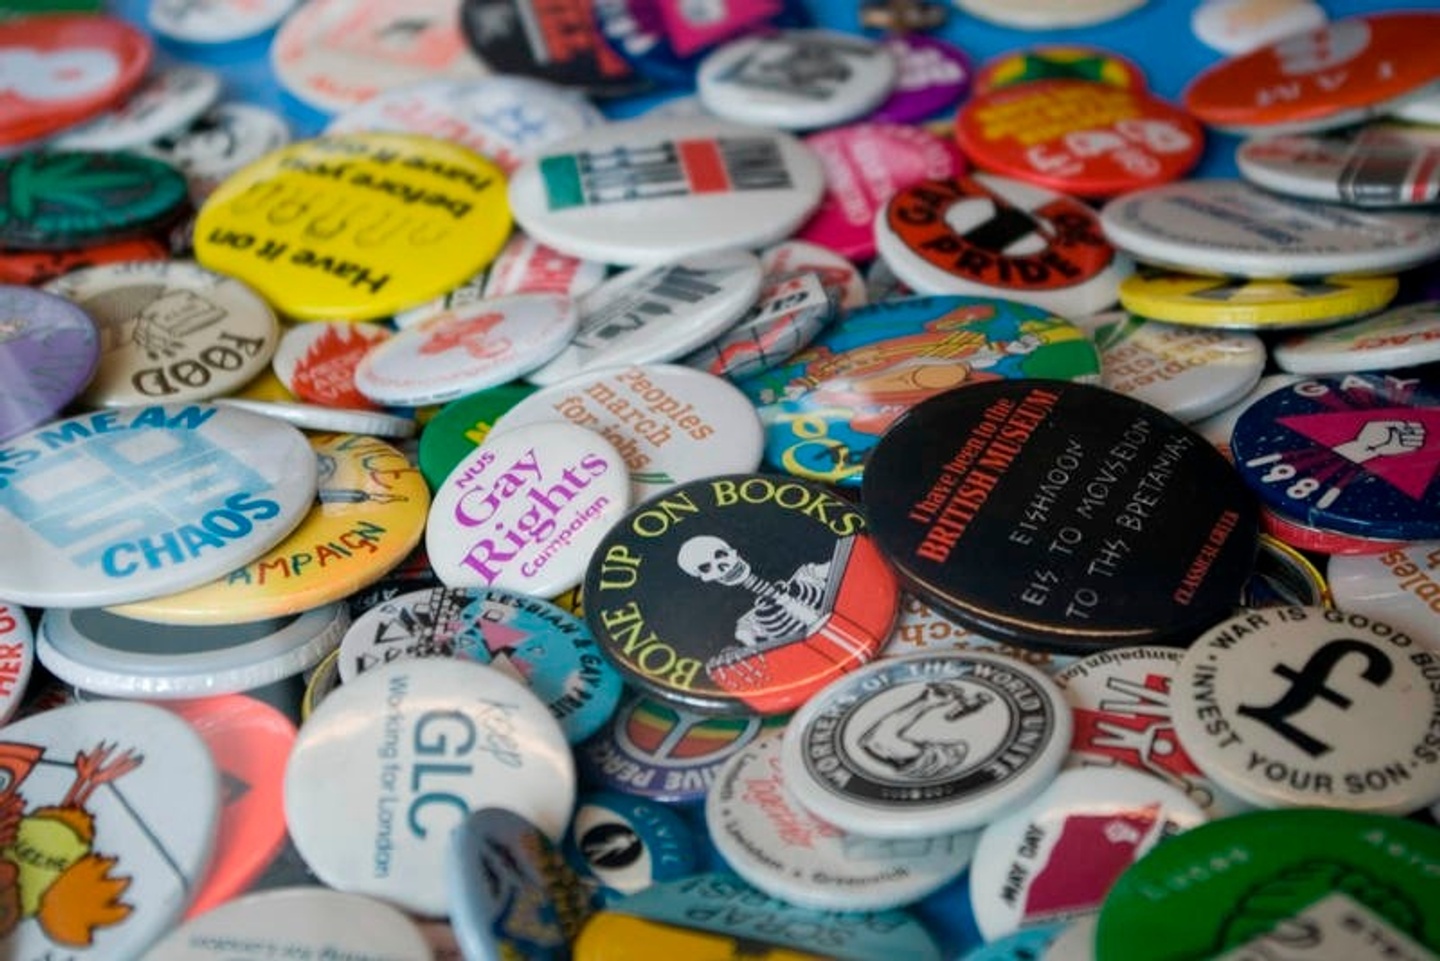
x: 17, y: 657
x: 136, y: 502
x: 220, y: 142
x: 1229, y: 227
x: 465, y: 351
x: 1048, y: 14
x: 116, y: 656
x: 917, y: 746
x: 301, y: 923
x: 1400, y: 337
x: 507, y: 119
x: 170, y: 331
x: 216, y: 21
x: 1311, y: 707
x: 1188, y: 372
x: 115, y: 806
x: 391, y: 763
x: 782, y: 849
x: 524, y: 510
x: 796, y: 79
x: 1400, y: 586
x: 671, y: 424
x: 316, y: 360
x: 649, y: 191
x: 1235, y: 27
x: 651, y: 314
x: 166, y: 101
x: 1058, y: 856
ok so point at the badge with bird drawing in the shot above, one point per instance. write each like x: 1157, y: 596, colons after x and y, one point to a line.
x: 107, y: 818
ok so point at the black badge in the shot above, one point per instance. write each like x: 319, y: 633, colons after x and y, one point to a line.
x: 1061, y: 515
x: 554, y: 40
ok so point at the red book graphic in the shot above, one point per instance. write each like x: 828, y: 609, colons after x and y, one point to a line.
x: 1091, y: 852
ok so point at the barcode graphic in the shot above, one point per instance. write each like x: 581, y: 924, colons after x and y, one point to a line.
x: 678, y: 168
x: 650, y: 299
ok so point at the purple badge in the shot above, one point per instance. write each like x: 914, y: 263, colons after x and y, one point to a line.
x: 934, y: 75
x: 49, y: 349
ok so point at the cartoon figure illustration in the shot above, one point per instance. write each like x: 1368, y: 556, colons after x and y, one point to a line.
x: 49, y: 868
x: 326, y: 493
x: 470, y: 334
x: 784, y: 611
x: 920, y: 739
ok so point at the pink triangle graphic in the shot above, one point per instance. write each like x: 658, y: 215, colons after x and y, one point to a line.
x: 1410, y: 471
x: 502, y: 637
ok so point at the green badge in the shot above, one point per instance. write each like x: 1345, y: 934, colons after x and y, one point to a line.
x: 1362, y: 885
x: 64, y: 199
x: 461, y: 426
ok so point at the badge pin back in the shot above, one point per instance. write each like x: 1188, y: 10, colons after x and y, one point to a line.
x: 1363, y: 750
x: 1014, y: 474
x: 71, y: 68
x: 849, y: 748
x: 249, y: 741
x: 49, y: 350
x: 116, y: 656
x: 271, y: 225
x: 535, y: 642
x: 1335, y: 75
x: 144, y: 785
x: 660, y: 752
x: 622, y: 844
x: 144, y: 461
x: 826, y: 408
x: 764, y: 590
x: 1239, y: 303
x: 708, y: 428
x: 64, y: 199
x: 1353, y: 454
x: 368, y: 515
x: 1114, y: 815
x: 501, y: 748
x: 511, y: 893
x: 771, y: 841
x: 1230, y: 228
x: 574, y: 478
x: 657, y: 190
x: 171, y: 332
x: 301, y: 920
x: 797, y: 79
x: 986, y: 235
x: 1263, y: 867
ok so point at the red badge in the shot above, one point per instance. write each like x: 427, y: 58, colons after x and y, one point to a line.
x: 1078, y: 137
x: 1323, y: 78
x: 57, y: 71
x: 35, y: 267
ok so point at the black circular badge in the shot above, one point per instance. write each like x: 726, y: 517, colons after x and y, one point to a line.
x: 740, y: 594
x: 557, y: 40
x: 1061, y: 515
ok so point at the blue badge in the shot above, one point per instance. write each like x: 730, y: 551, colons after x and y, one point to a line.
x: 623, y: 844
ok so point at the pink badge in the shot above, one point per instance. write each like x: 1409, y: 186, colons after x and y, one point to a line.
x: 865, y: 164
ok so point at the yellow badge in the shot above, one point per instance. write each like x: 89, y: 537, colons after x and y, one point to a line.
x: 1240, y: 304
x: 370, y: 514
x: 356, y: 227
x: 610, y: 936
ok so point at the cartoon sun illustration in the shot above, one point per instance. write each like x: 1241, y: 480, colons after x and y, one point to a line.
x: 49, y: 869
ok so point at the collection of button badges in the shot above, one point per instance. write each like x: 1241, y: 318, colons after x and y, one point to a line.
x: 865, y: 503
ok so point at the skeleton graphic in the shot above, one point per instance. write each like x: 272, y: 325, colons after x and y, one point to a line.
x: 920, y: 739
x: 784, y: 611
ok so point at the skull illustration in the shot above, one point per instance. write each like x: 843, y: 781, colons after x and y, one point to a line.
x: 712, y: 560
